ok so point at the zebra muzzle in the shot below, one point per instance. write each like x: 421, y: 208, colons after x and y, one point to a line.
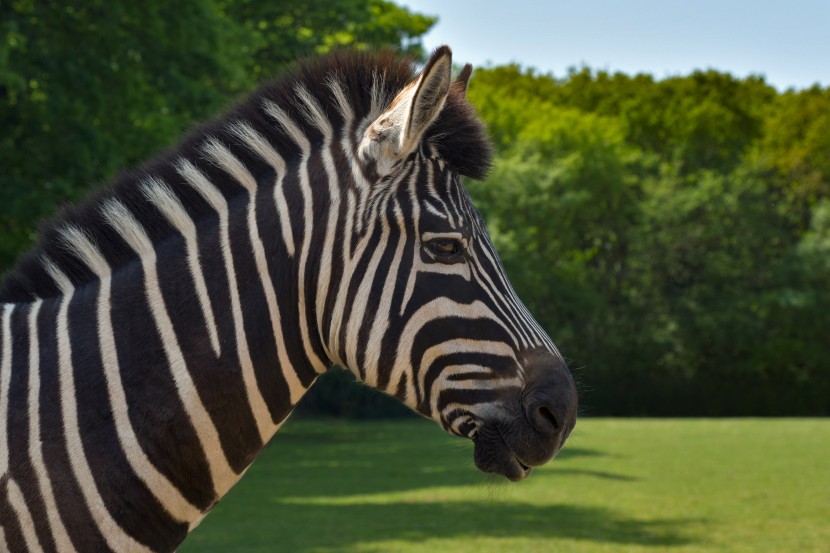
x: 531, y: 431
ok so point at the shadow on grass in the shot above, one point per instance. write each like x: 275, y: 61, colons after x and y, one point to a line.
x: 305, y: 527
x: 335, y: 459
x: 326, y: 487
x: 574, y: 452
x: 605, y: 475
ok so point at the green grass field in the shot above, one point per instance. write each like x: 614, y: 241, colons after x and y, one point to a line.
x: 619, y: 485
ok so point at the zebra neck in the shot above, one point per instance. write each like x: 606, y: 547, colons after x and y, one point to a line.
x: 154, y: 385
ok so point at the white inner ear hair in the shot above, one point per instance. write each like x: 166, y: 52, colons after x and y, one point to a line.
x: 398, y: 130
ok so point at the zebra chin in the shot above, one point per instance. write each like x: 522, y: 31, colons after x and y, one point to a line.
x: 492, y: 454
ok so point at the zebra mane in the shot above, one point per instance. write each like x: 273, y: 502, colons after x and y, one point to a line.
x: 458, y: 135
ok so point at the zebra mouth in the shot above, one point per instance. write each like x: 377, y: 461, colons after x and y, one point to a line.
x: 493, y: 454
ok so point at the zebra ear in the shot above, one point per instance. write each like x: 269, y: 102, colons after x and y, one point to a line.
x: 398, y: 130
x: 463, y: 79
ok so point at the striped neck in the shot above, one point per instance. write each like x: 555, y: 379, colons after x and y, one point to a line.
x: 157, y: 380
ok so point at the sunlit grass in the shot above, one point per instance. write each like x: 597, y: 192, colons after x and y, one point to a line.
x: 619, y: 485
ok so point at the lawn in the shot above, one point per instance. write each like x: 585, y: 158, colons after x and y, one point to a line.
x: 619, y: 485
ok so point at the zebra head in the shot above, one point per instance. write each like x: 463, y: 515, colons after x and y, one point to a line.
x: 438, y: 324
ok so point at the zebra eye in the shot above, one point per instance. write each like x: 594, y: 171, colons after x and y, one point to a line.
x: 445, y: 247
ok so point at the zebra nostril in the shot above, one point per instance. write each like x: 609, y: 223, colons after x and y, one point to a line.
x: 546, y: 417
x: 550, y: 398
x: 544, y: 413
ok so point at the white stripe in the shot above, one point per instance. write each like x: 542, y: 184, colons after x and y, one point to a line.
x: 481, y: 411
x: 343, y: 105
x: 315, y: 116
x: 366, y: 278
x: 379, y: 98
x: 437, y: 308
x: 384, y: 311
x: 540, y: 333
x: 113, y: 534
x: 284, y: 120
x: 5, y: 384
x: 475, y: 382
x: 156, y: 482
x: 349, y: 263
x: 163, y: 198
x: 301, y: 140
x: 228, y: 162
x: 454, y: 188
x: 117, y: 215
x: 435, y: 211
x: 21, y: 511
x: 260, y: 145
x: 63, y: 282
x: 378, y: 95
x: 452, y: 347
x: 534, y: 329
x: 359, y: 304
x: 416, y: 254
x: 361, y: 185
x: 199, y: 182
x: 515, y: 313
x: 524, y: 319
x: 509, y: 300
x: 62, y: 541
x: 492, y: 291
x: 433, y: 192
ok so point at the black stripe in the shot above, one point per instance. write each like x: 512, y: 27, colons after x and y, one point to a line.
x: 157, y: 415
x: 8, y: 520
x: 124, y: 495
x: 283, y: 272
x: 320, y: 206
x: 20, y: 467
x: 72, y: 508
x: 449, y: 328
x: 256, y: 318
x: 219, y: 380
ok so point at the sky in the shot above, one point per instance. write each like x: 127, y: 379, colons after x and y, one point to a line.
x: 787, y: 41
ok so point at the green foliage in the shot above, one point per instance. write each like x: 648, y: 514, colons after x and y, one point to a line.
x: 577, y: 163
x: 290, y: 29
x: 796, y: 145
x: 681, y: 225
x: 88, y: 88
x: 706, y: 119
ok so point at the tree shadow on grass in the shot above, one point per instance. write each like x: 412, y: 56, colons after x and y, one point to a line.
x: 324, y: 433
x: 307, y: 527
x: 328, y: 487
x: 573, y: 452
x: 605, y: 475
x: 335, y: 459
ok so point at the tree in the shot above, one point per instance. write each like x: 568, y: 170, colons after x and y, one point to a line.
x: 289, y: 29
x: 88, y: 88
x: 680, y: 228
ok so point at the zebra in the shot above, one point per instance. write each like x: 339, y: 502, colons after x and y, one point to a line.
x: 160, y: 332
